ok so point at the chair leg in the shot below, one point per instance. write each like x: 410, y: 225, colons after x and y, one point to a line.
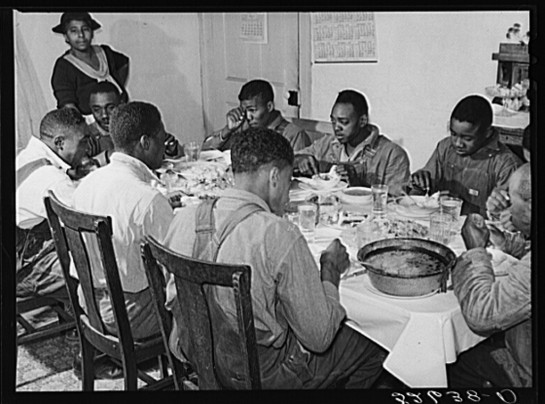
x: 130, y: 373
x: 87, y: 366
x: 163, y: 366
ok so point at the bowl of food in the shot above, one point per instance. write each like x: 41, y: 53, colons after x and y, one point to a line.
x: 356, y: 195
x: 407, y: 266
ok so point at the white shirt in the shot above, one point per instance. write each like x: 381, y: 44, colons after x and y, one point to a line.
x: 30, y: 208
x: 123, y: 191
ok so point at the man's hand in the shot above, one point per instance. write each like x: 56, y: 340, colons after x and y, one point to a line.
x: 342, y: 172
x: 474, y: 231
x: 84, y: 167
x: 497, y: 238
x: 422, y: 179
x: 334, y: 261
x: 175, y: 200
x: 172, y: 147
x: 505, y: 221
x: 306, y: 164
x: 497, y: 202
x: 235, y: 118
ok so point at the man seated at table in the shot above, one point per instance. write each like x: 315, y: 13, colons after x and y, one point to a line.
x: 302, y: 340
x: 256, y: 109
x: 42, y: 166
x: 497, y: 204
x: 360, y: 152
x: 499, y: 307
x: 472, y: 161
x: 103, y: 100
x: 122, y: 190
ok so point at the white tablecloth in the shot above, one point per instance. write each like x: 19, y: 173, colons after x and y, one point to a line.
x: 421, y: 335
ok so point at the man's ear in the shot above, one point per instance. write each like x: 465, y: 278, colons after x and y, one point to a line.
x: 58, y: 141
x: 274, y: 176
x: 489, y: 132
x: 145, y: 142
x: 270, y: 106
x: 364, y: 120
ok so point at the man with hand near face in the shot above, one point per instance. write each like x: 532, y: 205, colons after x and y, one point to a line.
x: 256, y: 109
x: 471, y: 162
x: 302, y: 340
x: 498, y: 307
x: 360, y: 152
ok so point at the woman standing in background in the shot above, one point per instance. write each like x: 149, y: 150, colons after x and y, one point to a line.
x: 84, y: 64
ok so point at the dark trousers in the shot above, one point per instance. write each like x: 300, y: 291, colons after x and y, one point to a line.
x: 352, y: 359
x: 477, y: 368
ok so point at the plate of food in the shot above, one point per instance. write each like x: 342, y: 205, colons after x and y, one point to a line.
x: 322, y: 182
x: 356, y: 195
x: 417, y: 206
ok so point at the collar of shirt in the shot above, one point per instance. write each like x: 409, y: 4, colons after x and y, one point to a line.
x: 490, y: 148
x: 37, y: 149
x: 245, y: 196
x: 96, y: 128
x: 276, y: 121
x: 362, y: 147
x: 141, y: 170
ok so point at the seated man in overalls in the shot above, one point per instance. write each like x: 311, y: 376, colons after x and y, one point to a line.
x: 471, y: 162
x: 361, y: 153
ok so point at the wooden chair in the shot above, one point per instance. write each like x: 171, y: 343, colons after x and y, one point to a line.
x: 64, y: 322
x: 193, y: 278
x: 68, y: 227
x: 157, y: 283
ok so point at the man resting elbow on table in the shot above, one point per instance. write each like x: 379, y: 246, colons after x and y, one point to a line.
x: 361, y: 154
x: 302, y: 340
x: 471, y: 162
x: 497, y: 306
x: 256, y: 109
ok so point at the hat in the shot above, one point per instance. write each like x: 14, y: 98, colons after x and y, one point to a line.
x: 67, y: 17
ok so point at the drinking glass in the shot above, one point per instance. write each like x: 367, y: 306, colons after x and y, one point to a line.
x: 380, y: 198
x: 440, y: 227
x: 192, y: 150
x: 329, y: 210
x: 307, y: 220
x: 451, y: 205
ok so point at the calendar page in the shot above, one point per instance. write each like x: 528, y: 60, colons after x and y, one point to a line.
x: 253, y: 27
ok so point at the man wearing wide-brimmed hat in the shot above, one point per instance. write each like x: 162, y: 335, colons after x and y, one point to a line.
x: 84, y: 64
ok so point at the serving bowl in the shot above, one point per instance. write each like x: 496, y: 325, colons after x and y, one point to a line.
x: 407, y: 266
x: 356, y: 195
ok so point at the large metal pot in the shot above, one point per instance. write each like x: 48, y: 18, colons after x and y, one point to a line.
x: 409, y: 279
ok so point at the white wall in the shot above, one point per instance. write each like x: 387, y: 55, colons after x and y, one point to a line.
x: 165, y: 63
x: 426, y: 63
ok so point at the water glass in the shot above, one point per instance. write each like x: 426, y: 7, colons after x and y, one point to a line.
x: 440, y: 227
x: 192, y: 151
x: 307, y: 220
x: 329, y: 209
x: 451, y: 205
x: 380, y: 198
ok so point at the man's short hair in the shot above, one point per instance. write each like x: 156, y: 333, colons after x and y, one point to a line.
x: 131, y: 121
x: 357, y: 100
x: 59, y: 121
x: 256, y: 147
x: 104, y: 87
x: 474, y: 109
x: 256, y: 88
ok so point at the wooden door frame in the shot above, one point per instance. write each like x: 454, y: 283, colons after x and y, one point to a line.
x: 304, y: 66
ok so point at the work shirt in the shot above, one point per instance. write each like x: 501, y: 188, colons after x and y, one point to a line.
x: 286, y: 289
x: 297, y: 137
x: 472, y: 178
x: 376, y: 160
x: 491, y: 304
x: 123, y: 191
x: 29, y: 196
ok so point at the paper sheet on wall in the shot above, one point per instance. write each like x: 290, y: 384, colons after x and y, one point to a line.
x: 253, y: 27
x: 344, y: 37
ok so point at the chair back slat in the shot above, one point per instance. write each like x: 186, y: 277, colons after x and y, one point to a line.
x: 194, y: 279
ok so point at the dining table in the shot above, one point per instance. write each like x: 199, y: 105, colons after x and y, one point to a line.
x: 421, y: 334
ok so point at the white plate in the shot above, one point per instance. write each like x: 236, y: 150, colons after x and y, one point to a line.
x: 407, y: 207
x: 346, y: 195
x: 317, y: 188
x: 369, y: 286
x: 211, y: 155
